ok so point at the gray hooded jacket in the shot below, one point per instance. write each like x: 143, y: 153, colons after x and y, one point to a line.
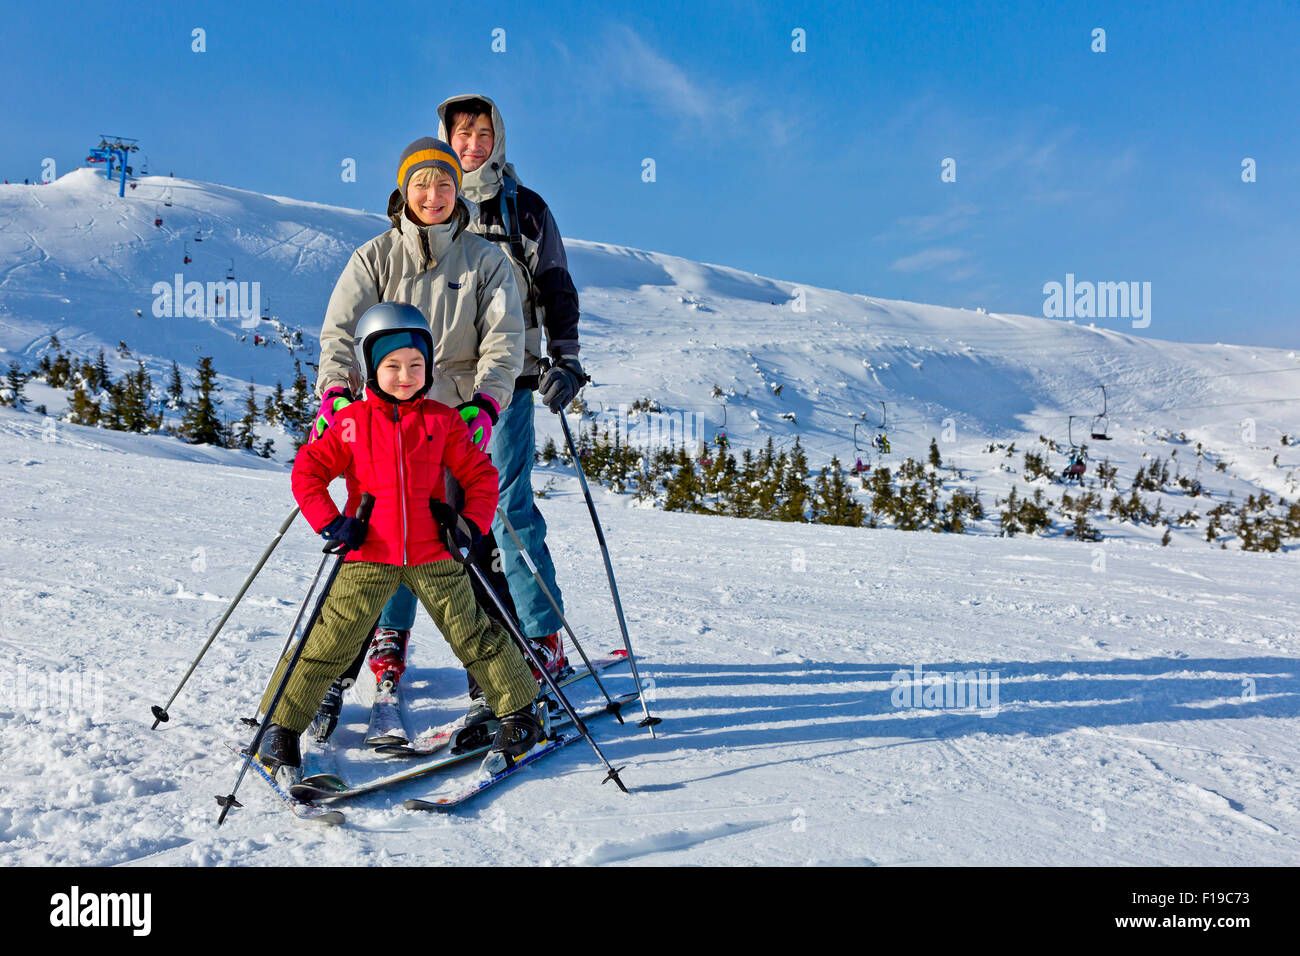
x: 549, y: 297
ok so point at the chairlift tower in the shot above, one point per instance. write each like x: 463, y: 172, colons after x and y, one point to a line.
x: 114, y: 149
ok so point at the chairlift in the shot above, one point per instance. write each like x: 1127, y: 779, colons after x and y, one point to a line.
x: 198, y: 236
x: 1101, y: 423
x: 230, y: 273
x: 188, y: 260
x: 1078, y: 456
x: 157, y: 219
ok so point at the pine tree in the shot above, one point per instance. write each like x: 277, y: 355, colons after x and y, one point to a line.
x: 794, y: 491
x: 244, y: 433
x: 202, y: 424
x: 684, y: 490
x: 60, y: 371
x: 13, y: 391
x: 835, y: 503
x: 128, y: 402
x: 934, y: 454
x: 81, y: 409
x: 298, y: 413
x: 101, y: 380
x: 273, y: 404
x: 175, y: 390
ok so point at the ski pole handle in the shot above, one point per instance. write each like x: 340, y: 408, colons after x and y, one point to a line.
x: 363, y: 516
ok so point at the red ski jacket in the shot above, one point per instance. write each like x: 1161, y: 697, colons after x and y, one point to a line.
x: 396, y: 453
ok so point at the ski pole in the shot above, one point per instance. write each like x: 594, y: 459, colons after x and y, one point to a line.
x: 609, y: 572
x: 338, y: 551
x: 610, y: 707
x: 466, y: 559
x: 160, y: 713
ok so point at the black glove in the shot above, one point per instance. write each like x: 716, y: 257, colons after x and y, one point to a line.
x: 561, y: 382
x: 349, y: 533
x: 456, y: 531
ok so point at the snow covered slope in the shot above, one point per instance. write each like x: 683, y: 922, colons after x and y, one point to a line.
x: 1133, y: 708
x: 79, y: 261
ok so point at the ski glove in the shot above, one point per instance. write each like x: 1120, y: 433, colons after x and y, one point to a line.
x: 480, y: 413
x: 347, y: 532
x: 561, y: 382
x: 456, y: 531
x: 335, y: 399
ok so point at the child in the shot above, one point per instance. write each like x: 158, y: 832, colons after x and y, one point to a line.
x: 394, y: 445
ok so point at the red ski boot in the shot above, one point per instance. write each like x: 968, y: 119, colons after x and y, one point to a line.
x: 387, y: 658
x: 551, y: 651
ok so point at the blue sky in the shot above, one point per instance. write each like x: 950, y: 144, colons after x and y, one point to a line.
x: 820, y: 167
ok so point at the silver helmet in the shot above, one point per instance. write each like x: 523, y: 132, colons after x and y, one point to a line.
x: 380, y: 320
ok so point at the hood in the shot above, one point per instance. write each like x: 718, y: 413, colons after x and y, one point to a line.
x: 485, y: 182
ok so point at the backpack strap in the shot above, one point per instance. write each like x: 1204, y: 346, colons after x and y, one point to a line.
x: 509, y: 195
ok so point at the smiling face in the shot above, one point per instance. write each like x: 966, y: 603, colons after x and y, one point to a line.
x: 431, y: 196
x: 472, y: 139
x: 401, y: 373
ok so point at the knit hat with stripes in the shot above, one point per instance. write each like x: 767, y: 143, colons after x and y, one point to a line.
x: 431, y: 152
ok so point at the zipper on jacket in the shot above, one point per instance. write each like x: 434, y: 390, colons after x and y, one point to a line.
x: 401, y: 477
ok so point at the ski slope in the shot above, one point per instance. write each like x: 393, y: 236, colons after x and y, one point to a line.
x: 1147, y: 704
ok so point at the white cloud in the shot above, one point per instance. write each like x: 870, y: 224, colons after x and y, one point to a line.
x: 927, y: 259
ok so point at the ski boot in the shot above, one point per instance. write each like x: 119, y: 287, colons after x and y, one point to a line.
x: 478, y: 729
x: 516, y: 735
x: 551, y: 651
x: 387, y: 658
x: 327, y: 717
x: 279, y: 748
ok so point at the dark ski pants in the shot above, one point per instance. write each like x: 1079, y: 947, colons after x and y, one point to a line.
x: 347, y: 618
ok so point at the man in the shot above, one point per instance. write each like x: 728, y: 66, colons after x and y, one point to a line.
x: 519, y: 221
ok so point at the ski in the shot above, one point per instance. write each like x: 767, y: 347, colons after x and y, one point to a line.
x: 320, y: 763
x: 386, y: 724
x: 302, y: 809
x: 435, y: 738
x: 387, y: 660
x: 317, y: 789
x: 445, y: 804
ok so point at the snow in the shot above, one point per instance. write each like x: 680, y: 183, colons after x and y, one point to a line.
x: 1140, y: 703
x: 1146, y: 704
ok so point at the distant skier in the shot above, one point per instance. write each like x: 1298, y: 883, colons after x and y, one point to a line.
x: 394, y: 444
x: 520, y: 223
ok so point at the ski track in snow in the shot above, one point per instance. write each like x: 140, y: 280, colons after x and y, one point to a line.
x: 1147, y: 713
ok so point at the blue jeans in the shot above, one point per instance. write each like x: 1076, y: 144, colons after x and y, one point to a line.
x: 511, y: 449
x: 399, y: 612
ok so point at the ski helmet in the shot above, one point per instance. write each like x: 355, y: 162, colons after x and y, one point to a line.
x: 380, y: 320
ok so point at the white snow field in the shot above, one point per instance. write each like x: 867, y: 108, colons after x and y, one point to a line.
x: 1130, y: 706
x: 1121, y: 703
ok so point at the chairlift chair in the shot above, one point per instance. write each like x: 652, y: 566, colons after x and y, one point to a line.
x: 1101, y: 423
x: 230, y: 273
